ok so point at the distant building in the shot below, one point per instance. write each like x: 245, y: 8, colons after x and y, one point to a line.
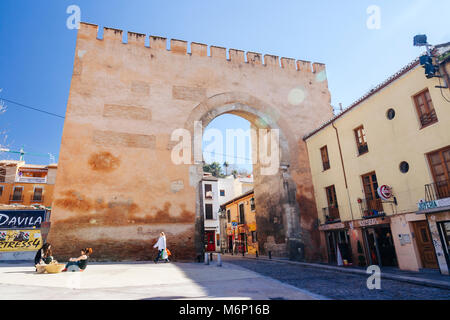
x: 26, y: 184
x: 231, y: 187
x: 381, y: 174
x: 211, y: 210
x: 240, y: 220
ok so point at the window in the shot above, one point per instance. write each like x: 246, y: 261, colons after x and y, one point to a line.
x: 425, y: 108
x: 440, y: 169
x: 254, y: 237
x: 209, y: 211
x: 17, y: 194
x: 332, y: 212
x: 252, y: 204
x: 228, y: 216
x: 390, y: 114
x: 440, y: 164
x: 208, y: 191
x: 370, y: 185
x: 1, y: 191
x: 404, y: 167
x: 361, y: 142
x: 2, y: 174
x: 222, y: 193
x: 325, y: 160
x: 241, y: 214
x: 37, y: 196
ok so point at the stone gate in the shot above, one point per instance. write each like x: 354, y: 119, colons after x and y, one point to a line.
x: 117, y: 186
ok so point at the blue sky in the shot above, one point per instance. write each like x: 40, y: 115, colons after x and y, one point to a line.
x: 37, y: 50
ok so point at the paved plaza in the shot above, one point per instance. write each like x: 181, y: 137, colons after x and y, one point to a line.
x: 145, y: 281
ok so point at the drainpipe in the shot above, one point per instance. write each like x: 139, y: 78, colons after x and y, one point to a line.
x: 343, y: 168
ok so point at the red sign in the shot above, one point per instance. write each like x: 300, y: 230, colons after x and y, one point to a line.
x: 385, y: 192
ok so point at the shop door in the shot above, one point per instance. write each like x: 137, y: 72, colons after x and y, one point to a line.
x: 371, y: 244
x: 386, y: 248
x: 425, y: 245
x: 210, y: 241
x: 331, y: 241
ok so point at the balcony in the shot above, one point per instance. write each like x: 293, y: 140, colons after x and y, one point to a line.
x: 331, y: 214
x: 208, y: 195
x: 22, y: 179
x: 438, y: 190
x: 371, y: 208
x: 428, y: 118
x: 36, y: 198
x: 363, y: 148
x: 16, y: 198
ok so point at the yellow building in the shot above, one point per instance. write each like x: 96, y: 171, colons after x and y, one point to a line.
x: 378, y: 168
x: 26, y: 184
x: 240, y: 221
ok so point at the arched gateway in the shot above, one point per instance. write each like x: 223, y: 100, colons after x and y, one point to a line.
x: 117, y: 185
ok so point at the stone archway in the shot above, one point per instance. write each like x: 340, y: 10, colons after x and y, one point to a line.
x: 278, y: 213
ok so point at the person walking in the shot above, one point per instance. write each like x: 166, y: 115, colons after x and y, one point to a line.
x: 161, y: 245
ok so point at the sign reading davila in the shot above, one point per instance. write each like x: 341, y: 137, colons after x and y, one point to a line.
x: 13, y: 219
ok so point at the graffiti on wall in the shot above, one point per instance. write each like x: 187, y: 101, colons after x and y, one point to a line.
x: 20, y: 240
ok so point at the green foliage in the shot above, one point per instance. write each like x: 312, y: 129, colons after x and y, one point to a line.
x: 215, y: 169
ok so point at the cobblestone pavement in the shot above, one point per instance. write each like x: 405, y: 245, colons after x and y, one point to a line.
x: 338, y: 285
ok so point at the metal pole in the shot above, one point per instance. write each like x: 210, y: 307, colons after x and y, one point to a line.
x: 270, y: 254
x: 219, y: 260
x: 206, y: 258
x: 211, y: 256
x: 257, y: 253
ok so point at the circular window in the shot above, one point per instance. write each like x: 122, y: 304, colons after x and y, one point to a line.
x: 390, y: 114
x: 404, y: 167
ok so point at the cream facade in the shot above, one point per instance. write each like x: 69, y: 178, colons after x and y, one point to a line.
x: 384, y: 138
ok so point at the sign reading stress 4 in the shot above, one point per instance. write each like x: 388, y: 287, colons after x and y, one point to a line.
x: 20, y: 240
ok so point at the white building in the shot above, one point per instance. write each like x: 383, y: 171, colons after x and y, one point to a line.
x: 211, y: 210
x: 217, y: 191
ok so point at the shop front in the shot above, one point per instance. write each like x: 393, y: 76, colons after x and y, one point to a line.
x: 378, y: 241
x: 338, y: 245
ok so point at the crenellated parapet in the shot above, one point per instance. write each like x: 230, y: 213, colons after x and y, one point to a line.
x: 180, y: 47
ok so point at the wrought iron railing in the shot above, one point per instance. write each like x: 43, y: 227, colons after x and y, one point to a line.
x: 363, y: 148
x: 37, y: 198
x: 371, y: 208
x: 428, y: 118
x: 331, y: 214
x: 437, y: 190
x: 16, y: 198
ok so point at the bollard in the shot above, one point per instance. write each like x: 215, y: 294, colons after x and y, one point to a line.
x: 211, y: 256
x: 270, y: 254
x: 219, y: 260
x: 243, y: 253
x: 257, y: 253
x: 206, y: 258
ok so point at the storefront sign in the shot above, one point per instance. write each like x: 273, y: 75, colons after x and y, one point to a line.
x: 385, y: 192
x: 332, y: 226
x: 426, y: 205
x: 20, y: 240
x: 371, y: 222
x: 15, y: 219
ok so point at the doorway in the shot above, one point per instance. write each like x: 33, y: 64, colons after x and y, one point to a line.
x: 425, y: 244
x: 380, y: 246
x: 338, y: 239
x: 210, y: 241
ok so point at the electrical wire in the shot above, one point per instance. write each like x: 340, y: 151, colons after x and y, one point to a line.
x: 440, y: 85
x: 32, y: 108
x: 227, y: 156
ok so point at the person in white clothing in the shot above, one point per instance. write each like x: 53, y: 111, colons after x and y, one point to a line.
x: 161, y: 245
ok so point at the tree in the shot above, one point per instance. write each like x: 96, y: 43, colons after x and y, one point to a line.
x: 214, y: 168
x: 226, y: 165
